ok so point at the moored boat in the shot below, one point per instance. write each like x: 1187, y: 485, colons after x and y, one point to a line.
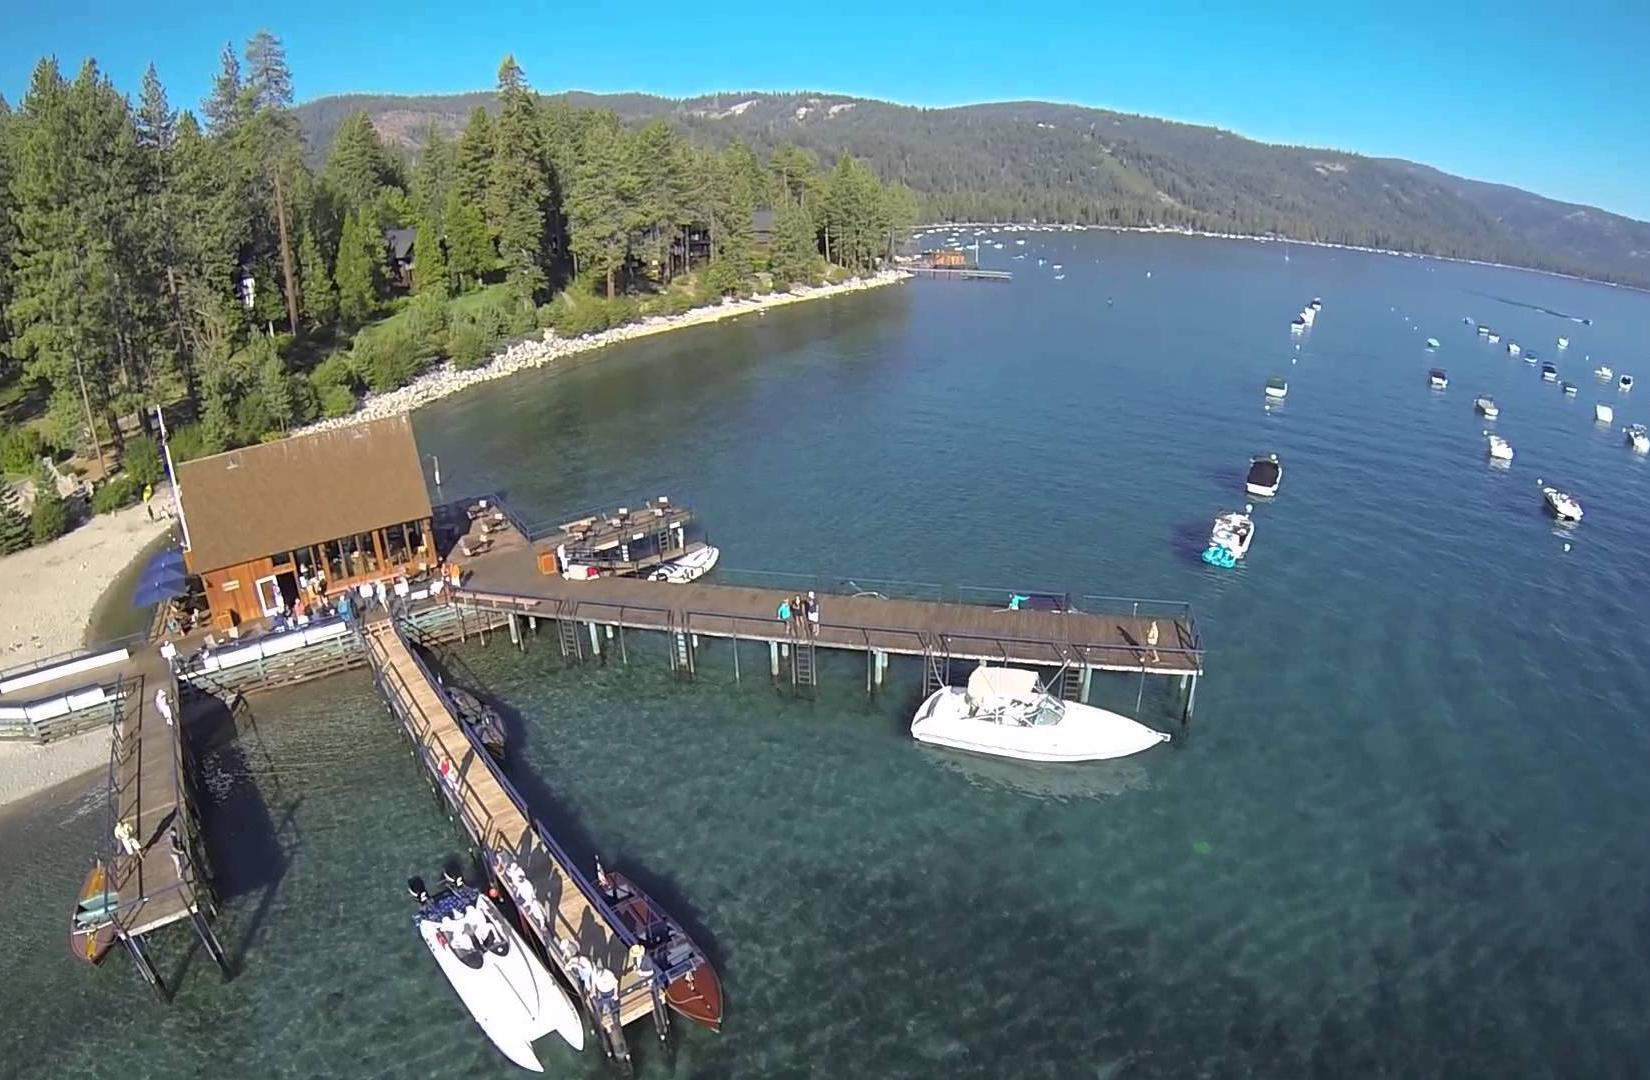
x: 1486, y: 405
x: 1570, y: 389
x: 1604, y: 371
x: 1277, y: 388
x: 1483, y: 330
x: 1265, y: 474
x: 1564, y: 506
x: 1513, y: 348
x: 1564, y: 343
x: 502, y: 982
x: 1005, y: 712
x: 480, y: 718
x: 1638, y: 438
x: 1229, y: 538
x: 1500, y: 449
x: 1298, y: 325
x: 1625, y: 382
x: 1493, y: 338
x: 92, y: 924
x: 1432, y: 343
x: 1549, y: 372
x: 690, y: 567
x: 692, y: 987
x: 1438, y: 378
x: 1603, y: 413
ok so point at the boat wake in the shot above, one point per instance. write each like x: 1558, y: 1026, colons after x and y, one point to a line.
x: 1533, y: 307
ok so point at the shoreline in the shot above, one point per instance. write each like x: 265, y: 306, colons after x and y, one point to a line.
x: 547, y: 347
x: 1163, y: 230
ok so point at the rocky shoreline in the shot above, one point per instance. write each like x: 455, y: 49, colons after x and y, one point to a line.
x: 535, y: 352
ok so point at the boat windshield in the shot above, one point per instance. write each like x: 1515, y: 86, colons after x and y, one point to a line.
x: 1050, y: 710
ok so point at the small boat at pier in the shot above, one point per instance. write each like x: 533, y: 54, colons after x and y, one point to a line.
x: 1438, y: 378
x: 690, y: 567
x: 695, y: 990
x: 482, y: 719
x: 1005, y: 712
x: 1565, y: 507
x: 1500, y: 449
x: 1265, y: 474
x: 1638, y: 438
x: 503, y: 983
x: 92, y: 925
x: 1486, y: 405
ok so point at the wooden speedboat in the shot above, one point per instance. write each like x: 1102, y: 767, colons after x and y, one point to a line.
x: 692, y: 986
x: 92, y: 925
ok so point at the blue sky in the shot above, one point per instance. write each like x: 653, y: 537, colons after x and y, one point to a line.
x: 1550, y: 97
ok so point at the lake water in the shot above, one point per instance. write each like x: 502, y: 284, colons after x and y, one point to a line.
x: 1404, y: 836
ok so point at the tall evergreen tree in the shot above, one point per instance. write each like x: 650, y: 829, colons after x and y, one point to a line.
x: 274, y: 142
x: 225, y: 108
x: 14, y: 526
x: 432, y: 176
x: 157, y: 140
x: 358, y: 167
x: 518, y: 193
x: 473, y: 160
x: 429, y: 261
x: 8, y: 232
x: 320, y: 295
x: 360, y: 271
x: 470, y: 254
x: 598, y: 219
x: 792, y: 256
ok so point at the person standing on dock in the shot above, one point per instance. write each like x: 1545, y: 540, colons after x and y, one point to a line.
x: 1151, y: 640
x: 812, y: 608
x: 785, y: 612
x: 163, y: 705
x: 799, y: 614
x: 169, y: 653
x: 607, y: 994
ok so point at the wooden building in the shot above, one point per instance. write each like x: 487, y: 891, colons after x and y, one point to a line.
x: 327, y: 511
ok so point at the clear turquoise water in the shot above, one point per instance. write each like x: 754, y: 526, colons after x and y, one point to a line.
x: 1404, y: 837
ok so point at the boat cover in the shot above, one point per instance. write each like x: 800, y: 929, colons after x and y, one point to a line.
x: 1001, y: 682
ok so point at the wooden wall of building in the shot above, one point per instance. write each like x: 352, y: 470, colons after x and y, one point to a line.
x: 231, y: 595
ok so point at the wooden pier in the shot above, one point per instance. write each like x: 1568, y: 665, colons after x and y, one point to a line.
x: 158, y: 863
x: 1111, y: 635
x: 497, y: 820
x: 963, y: 272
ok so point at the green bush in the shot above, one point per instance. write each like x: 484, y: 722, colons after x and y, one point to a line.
x: 117, y: 494
x: 188, y: 443
x: 470, y: 345
x: 50, y: 518
x: 387, y: 359
x: 426, y: 322
x: 336, y: 401
x: 142, y: 461
x: 20, y: 450
x: 335, y: 370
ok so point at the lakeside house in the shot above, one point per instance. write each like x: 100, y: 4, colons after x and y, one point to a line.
x: 398, y: 246
x: 347, y: 507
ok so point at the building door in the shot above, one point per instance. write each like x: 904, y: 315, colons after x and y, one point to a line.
x: 269, y: 595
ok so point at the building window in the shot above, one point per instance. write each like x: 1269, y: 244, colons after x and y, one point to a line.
x: 415, y: 538
x: 303, y: 561
x: 395, y: 545
x: 363, y: 557
x: 337, y: 568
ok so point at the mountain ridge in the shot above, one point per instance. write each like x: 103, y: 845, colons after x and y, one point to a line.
x: 1016, y: 160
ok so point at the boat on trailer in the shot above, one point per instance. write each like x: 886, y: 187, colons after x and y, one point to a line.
x: 1265, y: 474
x: 690, y: 567
x: 480, y: 718
x: 692, y: 987
x: 92, y: 925
x: 506, y: 987
x: 1005, y: 712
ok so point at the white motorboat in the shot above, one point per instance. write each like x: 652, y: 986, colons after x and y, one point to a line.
x: 1625, y: 382
x: 1483, y: 330
x: 1570, y: 389
x: 1316, y: 304
x: 1603, y: 413
x: 690, y: 567
x: 1230, y: 538
x: 1604, y: 371
x: 501, y: 981
x: 1638, y: 438
x: 1298, y: 326
x: 1486, y: 405
x: 1277, y: 388
x: 1564, y: 343
x: 1500, y: 449
x: 1005, y: 712
x: 1549, y: 372
x: 1309, y: 314
x: 1494, y: 338
x: 1265, y: 474
x: 1438, y: 378
x: 1513, y: 348
x: 1564, y: 506
x: 1432, y: 343
x: 1531, y: 358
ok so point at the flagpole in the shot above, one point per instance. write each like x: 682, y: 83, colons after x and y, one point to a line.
x: 172, y: 474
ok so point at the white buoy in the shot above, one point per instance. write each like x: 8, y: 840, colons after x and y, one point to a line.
x: 1566, y: 545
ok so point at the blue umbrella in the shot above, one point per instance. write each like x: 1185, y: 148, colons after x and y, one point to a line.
x: 156, y: 587
x: 170, y: 559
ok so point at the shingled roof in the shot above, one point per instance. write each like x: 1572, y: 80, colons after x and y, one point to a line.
x: 261, y: 500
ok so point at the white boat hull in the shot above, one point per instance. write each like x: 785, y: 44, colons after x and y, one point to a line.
x: 1085, y: 734
x: 690, y: 567
x: 513, y: 997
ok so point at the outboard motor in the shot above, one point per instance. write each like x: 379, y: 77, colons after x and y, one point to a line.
x: 415, y: 886
x: 453, y: 879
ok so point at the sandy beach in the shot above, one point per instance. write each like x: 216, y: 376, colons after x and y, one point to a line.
x: 549, y: 347
x: 49, y: 593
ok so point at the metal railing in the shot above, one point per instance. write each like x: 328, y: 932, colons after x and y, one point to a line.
x: 71, y: 655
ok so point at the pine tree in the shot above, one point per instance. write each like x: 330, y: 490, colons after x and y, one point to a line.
x: 433, y: 176
x: 157, y: 140
x: 225, y: 109
x: 360, y: 271
x: 273, y: 141
x: 320, y: 295
x: 358, y: 167
x: 14, y: 526
x: 518, y: 192
x: 429, y: 262
x: 8, y: 233
x: 50, y: 517
x: 793, y: 257
x: 473, y: 161
x: 597, y: 218
x: 470, y: 254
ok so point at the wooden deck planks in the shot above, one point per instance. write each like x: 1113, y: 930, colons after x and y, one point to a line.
x: 506, y: 826
x: 964, y: 631
x: 149, y: 795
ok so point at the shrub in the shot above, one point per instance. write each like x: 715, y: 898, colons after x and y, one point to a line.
x: 188, y: 442
x: 335, y: 370
x: 116, y: 494
x: 336, y: 401
x: 142, y: 461
x: 470, y: 344
x: 426, y: 325
x: 20, y: 450
x: 386, y: 359
x: 50, y: 518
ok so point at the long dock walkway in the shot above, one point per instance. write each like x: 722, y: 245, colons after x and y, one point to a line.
x: 1117, y: 638
x: 498, y: 821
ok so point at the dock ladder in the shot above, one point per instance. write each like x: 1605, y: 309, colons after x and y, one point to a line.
x: 936, y: 663
x: 1069, y: 682
x: 682, y: 660
x: 567, y: 630
x: 804, y: 663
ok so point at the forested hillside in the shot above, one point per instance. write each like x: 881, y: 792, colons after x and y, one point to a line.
x: 227, y: 270
x: 1022, y: 160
